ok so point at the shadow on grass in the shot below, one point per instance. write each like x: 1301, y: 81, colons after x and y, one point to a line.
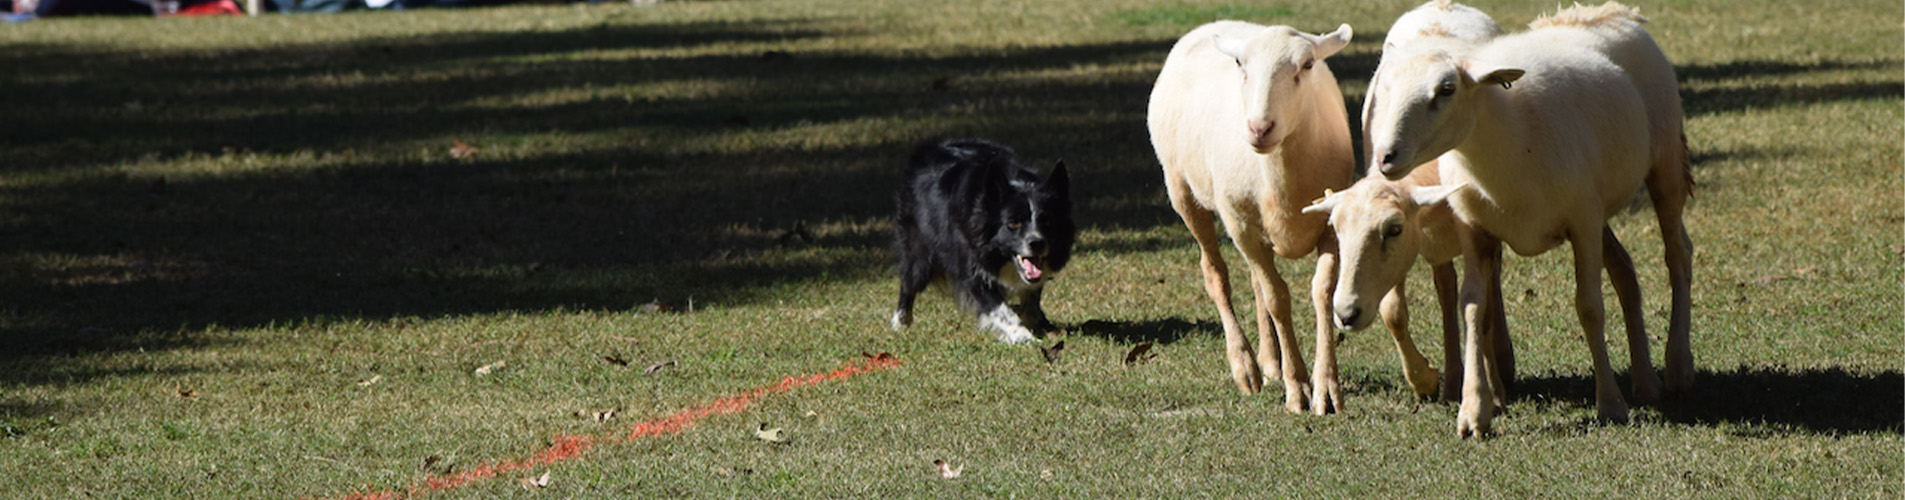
x: 1163, y: 331
x: 1760, y: 399
x: 107, y: 258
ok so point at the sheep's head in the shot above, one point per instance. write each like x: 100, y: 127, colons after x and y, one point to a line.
x: 1379, y: 237
x: 1424, y: 106
x: 1274, y: 65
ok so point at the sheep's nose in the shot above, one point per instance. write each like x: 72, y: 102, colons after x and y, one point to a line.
x: 1389, y: 158
x: 1347, y: 317
x: 1261, y: 128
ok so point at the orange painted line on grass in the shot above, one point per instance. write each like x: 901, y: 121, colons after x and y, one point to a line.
x: 569, y: 447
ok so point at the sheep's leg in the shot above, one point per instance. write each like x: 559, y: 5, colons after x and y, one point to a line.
x: 1326, y: 391
x: 1446, y: 286
x: 1395, y: 315
x: 1482, y: 255
x: 1591, y: 308
x: 1278, y: 334
x: 1620, y: 273
x: 1669, y: 188
x: 1269, y: 351
x: 1203, y: 226
x: 1501, y: 358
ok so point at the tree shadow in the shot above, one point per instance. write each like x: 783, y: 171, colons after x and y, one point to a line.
x: 1775, y: 400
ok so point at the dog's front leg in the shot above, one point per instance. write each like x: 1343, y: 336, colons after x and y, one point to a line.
x: 995, y: 315
x: 1030, y: 312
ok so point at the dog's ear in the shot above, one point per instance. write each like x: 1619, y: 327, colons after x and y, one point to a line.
x: 1058, y: 183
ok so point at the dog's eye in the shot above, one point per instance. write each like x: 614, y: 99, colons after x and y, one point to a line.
x: 1014, y: 225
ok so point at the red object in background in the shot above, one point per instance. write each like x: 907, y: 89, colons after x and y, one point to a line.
x: 218, y: 8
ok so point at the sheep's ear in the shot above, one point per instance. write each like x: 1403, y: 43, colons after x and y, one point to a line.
x: 1496, y: 76
x: 1431, y: 195
x: 1330, y: 44
x: 1229, y: 46
x: 1325, y: 205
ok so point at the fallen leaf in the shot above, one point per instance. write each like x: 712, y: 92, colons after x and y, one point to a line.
x: 1053, y: 353
x: 534, y: 483
x: 616, y: 360
x: 185, y: 393
x: 1045, y: 474
x: 1137, y: 354
x: 811, y: 414
x: 657, y: 366
x: 946, y: 470
x: 604, y: 415
x: 462, y: 150
x: 373, y: 380
x: 430, y: 461
x: 486, y: 369
x: 774, y: 435
x: 1803, y: 271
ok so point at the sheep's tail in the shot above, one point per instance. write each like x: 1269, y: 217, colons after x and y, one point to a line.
x: 1583, y: 16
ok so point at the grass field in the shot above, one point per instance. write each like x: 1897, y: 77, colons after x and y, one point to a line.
x: 246, y: 258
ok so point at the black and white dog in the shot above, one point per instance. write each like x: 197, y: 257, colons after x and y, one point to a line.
x: 970, y: 213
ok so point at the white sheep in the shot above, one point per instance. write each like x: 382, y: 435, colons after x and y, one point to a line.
x: 1381, y: 227
x: 1616, y: 30
x: 1546, y: 161
x: 1249, y: 125
x: 1435, y: 25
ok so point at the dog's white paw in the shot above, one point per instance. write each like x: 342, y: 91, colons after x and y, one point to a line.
x: 1011, y: 331
x: 902, y: 319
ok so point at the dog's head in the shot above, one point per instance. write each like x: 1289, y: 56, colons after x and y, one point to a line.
x: 1028, y: 222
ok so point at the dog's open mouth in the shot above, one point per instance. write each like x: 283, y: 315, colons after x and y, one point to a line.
x: 1029, y: 268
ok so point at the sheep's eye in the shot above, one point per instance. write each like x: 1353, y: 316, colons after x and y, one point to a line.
x: 1445, y: 90
x: 1309, y: 64
x: 1393, y: 230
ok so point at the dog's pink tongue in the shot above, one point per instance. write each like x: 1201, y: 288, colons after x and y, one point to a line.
x: 1031, y: 270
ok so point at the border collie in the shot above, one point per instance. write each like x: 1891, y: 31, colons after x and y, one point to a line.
x: 971, y: 214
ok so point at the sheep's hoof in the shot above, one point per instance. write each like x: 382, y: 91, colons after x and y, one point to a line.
x: 1296, y: 396
x: 1327, y: 398
x: 1473, y: 419
x: 1424, y: 381
x: 1244, y: 372
x: 1611, y: 412
x: 1646, y: 385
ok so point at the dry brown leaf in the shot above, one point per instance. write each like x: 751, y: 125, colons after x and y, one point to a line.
x: 486, y: 369
x: 657, y: 366
x: 615, y: 360
x: 373, y: 380
x: 1138, y: 354
x: 430, y: 461
x: 461, y: 150
x: 184, y: 393
x: 946, y: 470
x: 534, y: 483
x: 1053, y: 353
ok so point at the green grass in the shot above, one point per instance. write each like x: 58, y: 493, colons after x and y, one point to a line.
x: 213, y: 232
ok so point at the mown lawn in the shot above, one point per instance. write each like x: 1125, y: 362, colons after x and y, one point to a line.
x: 246, y: 257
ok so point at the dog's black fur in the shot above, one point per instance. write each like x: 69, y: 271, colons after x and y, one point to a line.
x: 968, y: 212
